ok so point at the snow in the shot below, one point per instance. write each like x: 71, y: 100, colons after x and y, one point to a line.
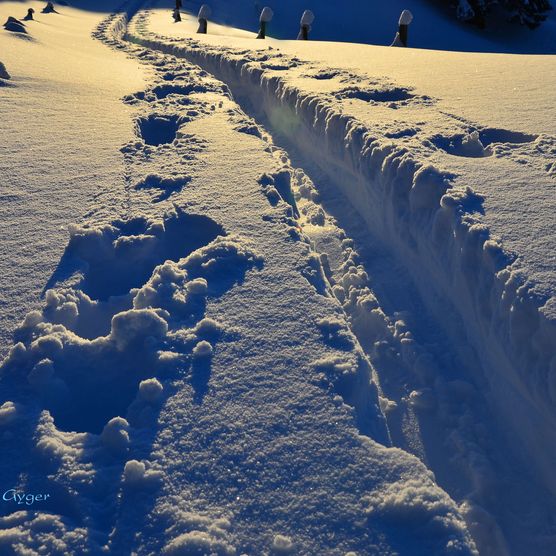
x: 307, y: 18
x: 299, y: 303
x: 204, y: 12
x: 266, y: 14
x: 406, y: 17
x: 516, y: 157
x: 66, y: 123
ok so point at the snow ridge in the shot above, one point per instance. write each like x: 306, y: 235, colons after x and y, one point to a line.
x: 416, y: 211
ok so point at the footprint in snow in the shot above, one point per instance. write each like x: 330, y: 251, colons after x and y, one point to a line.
x: 393, y: 97
x: 167, y: 186
x: 478, y: 143
x: 158, y: 130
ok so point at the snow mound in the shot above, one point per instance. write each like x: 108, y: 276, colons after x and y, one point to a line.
x: 52, y: 533
x: 4, y: 72
x: 411, y: 504
x: 15, y: 26
x: 198, y: 542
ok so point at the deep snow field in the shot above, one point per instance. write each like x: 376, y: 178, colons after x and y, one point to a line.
x: 275, y: 297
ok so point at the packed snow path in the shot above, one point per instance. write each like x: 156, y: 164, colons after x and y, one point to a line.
x: 245, y: 441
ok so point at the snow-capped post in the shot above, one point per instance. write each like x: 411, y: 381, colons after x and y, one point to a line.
x: 406, y: 18
x: 176, y: 13
x: 266, y: 16
x: 14, y: 25
x: 49, y: 9
x: 203, y: 16
x: 306, y: 21
x: 29, y: 16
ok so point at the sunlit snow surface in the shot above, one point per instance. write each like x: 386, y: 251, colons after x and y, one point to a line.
x: 296, y: 271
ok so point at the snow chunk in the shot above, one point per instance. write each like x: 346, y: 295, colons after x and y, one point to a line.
x: 208, y: 327
x: 115, y: 436
x: 414, y: 502
x: 133, y: 327
x: 422, y: 399
x: 150, y: 390
x: 198, y: 542
x: 35, y: 317
x: 282, y: 545
x: 429, y: 185
x: 336, y: 332
x: 202, y: 350
x: 134, y: 472
x: 471, y: 145
x: 33, y: 533
x: 199, y: 286
x: 8, y: 413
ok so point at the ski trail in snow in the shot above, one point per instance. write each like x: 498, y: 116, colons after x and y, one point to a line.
x: 432, y: 405
x: 404, y: 340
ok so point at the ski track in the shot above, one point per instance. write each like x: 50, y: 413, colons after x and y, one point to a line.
x: 430, y: 393
x: 408, y: 346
